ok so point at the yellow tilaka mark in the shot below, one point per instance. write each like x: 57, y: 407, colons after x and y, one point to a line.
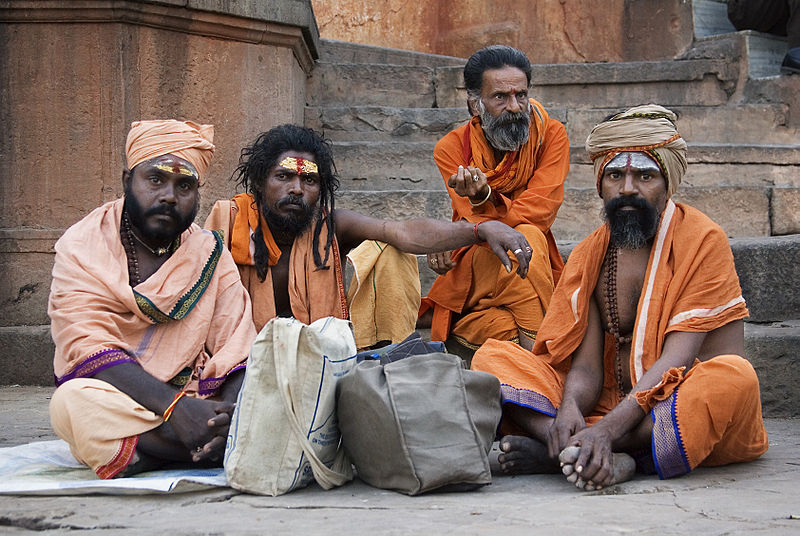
x: 299, y: 165
x: 183, y: 170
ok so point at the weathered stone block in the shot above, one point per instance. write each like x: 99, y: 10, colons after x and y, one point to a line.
x: 739, y: 211
x: 27, y: 356
x: 774, y: 351
x: 786, y: 210
x: 768, y: 271
x: 402, y: 165
x: 371, y: 85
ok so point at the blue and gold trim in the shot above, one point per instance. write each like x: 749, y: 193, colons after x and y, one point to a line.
x: 187, y: 302
x: 95, y: 363
x: 669, y: 453
x: 527, y: 398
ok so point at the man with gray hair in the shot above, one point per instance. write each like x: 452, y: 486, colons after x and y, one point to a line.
x: 640, y: 356
x: 508, y: 163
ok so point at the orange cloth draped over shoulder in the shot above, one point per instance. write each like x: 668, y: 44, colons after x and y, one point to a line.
x: 314, y: 293
x: 690, y: 285
x: 528, y: 189
x: 189, y: 323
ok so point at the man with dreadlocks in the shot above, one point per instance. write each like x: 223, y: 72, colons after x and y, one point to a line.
x: 638, y: 361
x: 287, y: 239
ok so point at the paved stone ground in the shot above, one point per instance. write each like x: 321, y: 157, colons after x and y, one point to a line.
x: 756, y: 498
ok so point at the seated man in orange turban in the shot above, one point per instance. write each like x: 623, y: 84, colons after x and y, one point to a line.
x: 288, y: 240
x: 640, y: 355
x: 508, y: 164
x: 151, y: 323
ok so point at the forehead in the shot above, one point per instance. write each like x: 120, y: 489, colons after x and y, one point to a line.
x: 633, y: 160
x: 168, y: 163
x: 504, y: 79
x: 293, y: 159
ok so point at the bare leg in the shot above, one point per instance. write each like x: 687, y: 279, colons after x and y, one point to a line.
x: 624, y: 468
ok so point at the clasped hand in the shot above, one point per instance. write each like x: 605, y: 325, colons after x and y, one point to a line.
x: 202, y: 426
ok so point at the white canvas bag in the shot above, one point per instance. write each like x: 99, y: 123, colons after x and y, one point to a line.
x: 284, y: 432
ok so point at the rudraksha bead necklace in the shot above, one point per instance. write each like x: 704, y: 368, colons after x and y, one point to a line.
x: 612, y: 315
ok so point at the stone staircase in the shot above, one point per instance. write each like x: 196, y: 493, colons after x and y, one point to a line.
x: 385, y: 109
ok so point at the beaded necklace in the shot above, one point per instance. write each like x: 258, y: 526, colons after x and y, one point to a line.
x: 612, y: 315
x: 126, y: 235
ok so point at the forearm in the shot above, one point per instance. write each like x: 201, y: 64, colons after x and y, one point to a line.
x: 429, y: 235
x: 134, y: 381
x: 582, y: 388
x: 232, y: 385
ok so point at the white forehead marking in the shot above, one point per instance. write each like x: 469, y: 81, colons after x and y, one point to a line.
x: 638, y: 160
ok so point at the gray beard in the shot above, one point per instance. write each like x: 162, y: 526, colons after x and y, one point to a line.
x: 507, y: 132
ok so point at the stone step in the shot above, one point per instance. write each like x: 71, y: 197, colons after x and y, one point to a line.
x: 707, y: 82
x: 332, y: 51
x: 719, y: 124
x: 741, y: 212
x: 402, y: 165
x: 760, y: 54
x: 710, y: 17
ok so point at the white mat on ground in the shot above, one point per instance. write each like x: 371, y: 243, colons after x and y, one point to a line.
x: 48, y: 468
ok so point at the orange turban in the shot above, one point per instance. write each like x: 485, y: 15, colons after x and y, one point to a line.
x: 184, y: 139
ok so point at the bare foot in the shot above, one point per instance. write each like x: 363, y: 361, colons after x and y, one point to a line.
x: 140, y: 463
x: 624, y: 468
x: 524, y: 455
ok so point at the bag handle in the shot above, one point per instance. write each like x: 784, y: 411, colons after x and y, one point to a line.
x: 327, y: 478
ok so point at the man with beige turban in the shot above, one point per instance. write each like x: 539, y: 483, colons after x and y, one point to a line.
x: 151, y: 323
x: 638, y: 363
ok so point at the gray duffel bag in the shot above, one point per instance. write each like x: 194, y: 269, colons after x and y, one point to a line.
x: 419, y: 424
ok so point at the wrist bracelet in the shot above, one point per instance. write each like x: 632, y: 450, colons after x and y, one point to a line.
x: 168, y: 411
x: 475, y: 230
x: 488, y: 195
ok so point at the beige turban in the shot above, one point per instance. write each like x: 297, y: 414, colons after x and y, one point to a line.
x: 184, y: 139
x: 649, y: 129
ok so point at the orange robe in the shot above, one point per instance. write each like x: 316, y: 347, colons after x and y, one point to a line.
x: 189, y: 323
x: 313, y: 293
x: 528, y: 189
x: 710, y: 414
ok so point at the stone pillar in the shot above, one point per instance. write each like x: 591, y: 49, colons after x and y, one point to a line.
x: 75, y: 74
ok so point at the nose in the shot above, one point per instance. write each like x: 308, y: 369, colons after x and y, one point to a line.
x: 296, y: 185
x: 168, y: 193
x: 512, y: 104
x: 628, y: 184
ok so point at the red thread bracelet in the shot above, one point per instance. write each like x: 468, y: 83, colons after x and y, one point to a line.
x: 168, y: 411
x: 475, y: 230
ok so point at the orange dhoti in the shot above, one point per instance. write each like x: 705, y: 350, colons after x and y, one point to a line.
x: 480, y: 300
x: 712, y: 416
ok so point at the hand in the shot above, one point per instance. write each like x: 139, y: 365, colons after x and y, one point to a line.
x: 441, y: 263
x: 200, y: 424
x: 567, y: 423
x: 470, y: 182
x: 594, y: 465
x: 501, y: 239
x: 215, y: 449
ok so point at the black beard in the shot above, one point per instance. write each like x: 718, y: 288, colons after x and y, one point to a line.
x: 138, y: 217
x: 631, y: 229
x: 507, y: 132
x: 294, y: 224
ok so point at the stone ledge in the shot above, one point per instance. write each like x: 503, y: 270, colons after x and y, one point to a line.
x: 269, y: 23
x: 332, y: 51
x: 774, y: 351
x: 27, y: 356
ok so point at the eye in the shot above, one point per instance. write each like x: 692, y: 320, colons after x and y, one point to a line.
x: 310, y: 179
x: 155, y: 179
x: 646, y: 176
x: 613, y: 174
x: 522, y: 95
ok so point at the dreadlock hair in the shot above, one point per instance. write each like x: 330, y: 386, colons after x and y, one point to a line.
x: 257, y: 160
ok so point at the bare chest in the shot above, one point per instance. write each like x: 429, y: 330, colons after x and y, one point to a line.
x: 619, y: 288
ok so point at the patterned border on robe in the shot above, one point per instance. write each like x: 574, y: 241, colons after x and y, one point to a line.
x: 95, y: 363
x: 669, y: 453
x: 209, y: 386
x: 121, y: 459
x: 187, y: 302
x: 527, y: 398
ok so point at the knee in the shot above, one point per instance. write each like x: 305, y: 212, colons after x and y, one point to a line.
x: 735, y: 376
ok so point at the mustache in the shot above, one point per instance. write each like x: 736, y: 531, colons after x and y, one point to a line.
x: 635, y: 202
x: 507, y: 118
x: 292, y: 200
x: 167, y: 210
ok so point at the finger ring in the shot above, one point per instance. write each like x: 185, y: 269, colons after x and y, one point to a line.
x: 198, y: 450
x: 434, y: 261
x: 528, y: 248
x: 518, y: 250
x: 475, y: 178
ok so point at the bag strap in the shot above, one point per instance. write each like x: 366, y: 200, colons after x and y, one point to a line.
x: 327, y: 478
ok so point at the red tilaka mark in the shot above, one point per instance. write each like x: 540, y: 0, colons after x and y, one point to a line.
x: 176, y: 168
x: 301, y: 163
x: 628, y: 163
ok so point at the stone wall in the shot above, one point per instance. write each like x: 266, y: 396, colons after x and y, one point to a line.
x: 548, y: 31
x: 75, y: 74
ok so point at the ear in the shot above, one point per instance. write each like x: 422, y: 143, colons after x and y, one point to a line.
x: 126, y: 177
x: 473, y: 106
